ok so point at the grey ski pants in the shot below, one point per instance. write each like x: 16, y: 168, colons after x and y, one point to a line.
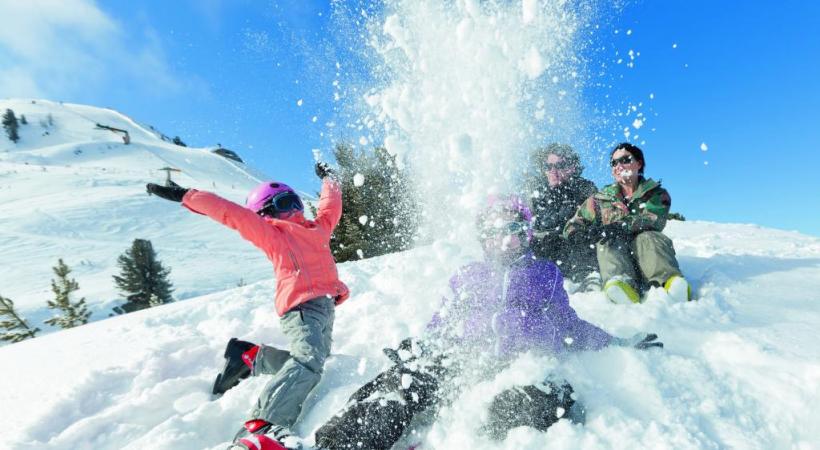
x: 308, y: 327
x: 649, y: 257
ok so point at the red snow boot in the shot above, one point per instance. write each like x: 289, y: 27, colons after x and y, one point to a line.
x: 259, y: 434
x: 258, y: 442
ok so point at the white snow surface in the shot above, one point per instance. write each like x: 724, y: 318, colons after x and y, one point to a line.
x: 741, y: 366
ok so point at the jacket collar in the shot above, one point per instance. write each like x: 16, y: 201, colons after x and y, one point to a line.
x: 613, y: 191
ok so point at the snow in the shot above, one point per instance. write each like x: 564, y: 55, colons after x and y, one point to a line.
x: 463, y: 83
x: 358, y: 180
x: 78, y: 193
x: 740, y: 367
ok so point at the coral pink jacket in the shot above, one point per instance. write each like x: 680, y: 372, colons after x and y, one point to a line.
x: 298, y: 248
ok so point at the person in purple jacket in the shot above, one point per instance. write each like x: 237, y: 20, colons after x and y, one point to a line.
x: 509, y: 303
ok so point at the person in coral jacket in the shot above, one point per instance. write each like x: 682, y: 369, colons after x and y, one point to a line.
x: 307, y: 291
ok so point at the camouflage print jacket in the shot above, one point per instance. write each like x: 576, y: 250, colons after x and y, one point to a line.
x: 646, y: 211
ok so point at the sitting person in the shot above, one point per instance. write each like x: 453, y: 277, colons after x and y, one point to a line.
x: 625, y: 219
x: 505, y: 305
x: 556, y: 191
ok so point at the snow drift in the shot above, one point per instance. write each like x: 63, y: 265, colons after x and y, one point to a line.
x: 741, y: 366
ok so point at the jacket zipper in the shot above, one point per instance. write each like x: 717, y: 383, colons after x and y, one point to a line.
x: 296, y: 263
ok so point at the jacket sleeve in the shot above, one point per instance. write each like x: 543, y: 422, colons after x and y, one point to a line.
x: 330, y: 204
x: 576, y: 334
x: 582, y: 222
x: 250, y: 226
x: 650, y: 215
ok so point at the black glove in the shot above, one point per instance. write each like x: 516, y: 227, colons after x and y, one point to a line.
x: 405, y: 352
x: 641, y: 341
x: 323, y: 170
x: 174, y: 192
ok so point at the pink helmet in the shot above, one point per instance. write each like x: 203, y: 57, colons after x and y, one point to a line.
x: 273, y: 195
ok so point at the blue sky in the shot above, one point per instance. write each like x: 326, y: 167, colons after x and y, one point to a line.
x: 739, y: 77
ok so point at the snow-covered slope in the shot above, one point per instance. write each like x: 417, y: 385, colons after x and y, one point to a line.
x: 741, y: 367
x: 71, y: 190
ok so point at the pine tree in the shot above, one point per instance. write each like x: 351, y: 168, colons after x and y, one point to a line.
x: 143, y: 279
x: 73, y: 313
x: 10, y: 124
x: 23, y: 120
x: 178, y: 141
x: 380, y: 216
x: 16, y: 328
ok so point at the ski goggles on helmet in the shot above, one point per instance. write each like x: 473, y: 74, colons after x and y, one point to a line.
x: 503, y: 229
x: 284, y: 202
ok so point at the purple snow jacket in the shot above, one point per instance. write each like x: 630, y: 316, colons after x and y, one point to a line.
x: 513, y: 309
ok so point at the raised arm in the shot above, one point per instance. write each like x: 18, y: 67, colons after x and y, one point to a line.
x: 330, y: 204
x: 250, y: 226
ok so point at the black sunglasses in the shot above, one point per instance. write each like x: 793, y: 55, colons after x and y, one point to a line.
x: 626, y: 159
x: 557, y: 166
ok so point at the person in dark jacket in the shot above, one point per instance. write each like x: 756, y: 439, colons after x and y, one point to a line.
x: 505, y: 305
x: 556, y: 190
x: 626, y: 220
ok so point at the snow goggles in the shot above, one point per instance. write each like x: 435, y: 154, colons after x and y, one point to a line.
x: 626, y: 159
x: 504, y: 229
x: 282, y: 203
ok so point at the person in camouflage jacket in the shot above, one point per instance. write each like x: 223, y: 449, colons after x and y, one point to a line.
x: 556, y: 189
x: 626, y: 220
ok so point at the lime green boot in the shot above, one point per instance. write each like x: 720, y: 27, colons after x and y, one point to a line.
x: 678, y: 288
x: 618, y: 290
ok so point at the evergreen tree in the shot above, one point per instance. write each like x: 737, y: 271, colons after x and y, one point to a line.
x: 10, y: 124
x: 16, y: 328
x: 178, y: 141
x: 676, y: 216
x: 23, y: 120
x: 143, y: 279
x: 380, y: 215
x: 73, y: 313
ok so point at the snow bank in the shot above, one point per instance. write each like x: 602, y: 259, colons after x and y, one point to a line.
x: 741, y: 367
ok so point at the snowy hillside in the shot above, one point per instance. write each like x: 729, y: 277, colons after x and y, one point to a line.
x: 741, y: 367
x: 71, y: 190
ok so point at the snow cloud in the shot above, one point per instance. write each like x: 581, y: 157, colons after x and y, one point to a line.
x: 60, y: 48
